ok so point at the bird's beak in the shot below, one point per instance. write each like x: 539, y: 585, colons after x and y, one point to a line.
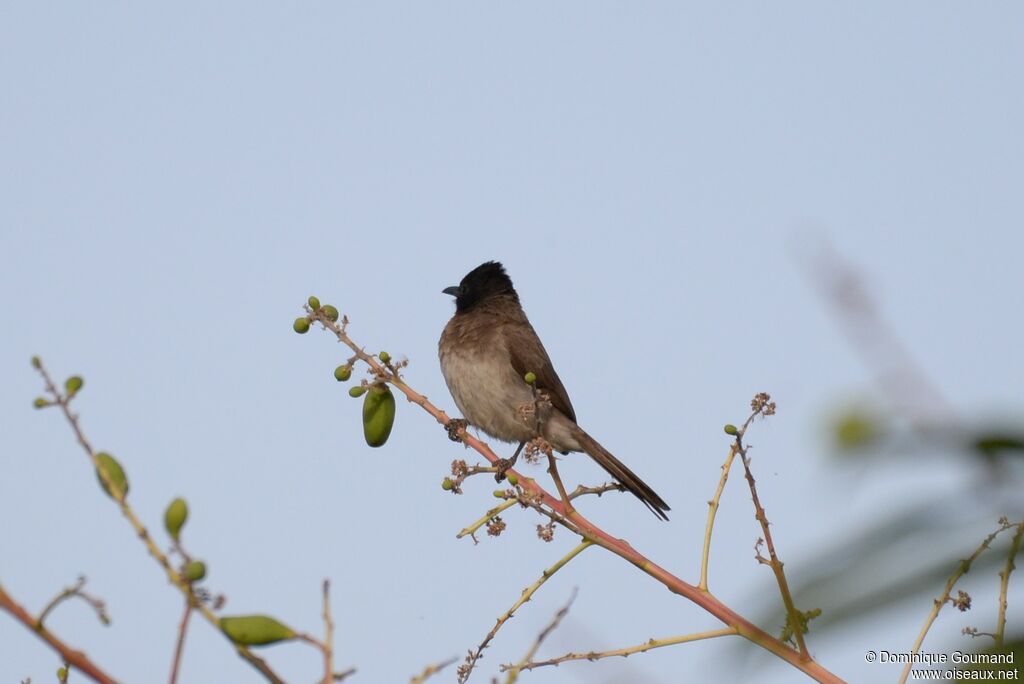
x: 454, y: 291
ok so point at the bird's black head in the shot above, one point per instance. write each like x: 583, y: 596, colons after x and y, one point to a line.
x: 482, y: 283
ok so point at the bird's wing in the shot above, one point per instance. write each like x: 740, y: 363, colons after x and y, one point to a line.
x: 528, y: 355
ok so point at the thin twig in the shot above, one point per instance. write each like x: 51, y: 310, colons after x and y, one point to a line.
x: 431, y: 670
x: 1004, y: 583
x: 624, y: 652
x: 140, y: 530
x: 76, y: 589
x: 472, y: 529
x: 961, y: 569
x: 328, y: 646
x: 761, y: 406
x: 466, y: 669
x: 712, y: 512
x: 71, y: 656
x: 513, y: 672
x: 180, y: 645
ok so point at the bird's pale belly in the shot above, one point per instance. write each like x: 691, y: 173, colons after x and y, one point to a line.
x: 489, y: 393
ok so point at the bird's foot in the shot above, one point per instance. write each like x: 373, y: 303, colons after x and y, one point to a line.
x: 503, y: 465
x: 453, y: 427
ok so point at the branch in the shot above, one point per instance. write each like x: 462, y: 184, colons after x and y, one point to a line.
x: 513, y: 672
x: 763, y: 406
x: 467, y: 668
x: 76, y: 590
x: 472, y: 529
x: 712, y: 512
x: 64, y: 401
x: 69, y: 655
x: 328, y: 645
x: 180, y: 645
x: 1004, y: 583
x: 961, y: 569
x: 431, y: 670
x: 624, y: 652
x: 580, y: 525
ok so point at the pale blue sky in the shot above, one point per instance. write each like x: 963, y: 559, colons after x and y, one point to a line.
x: 177, y: 180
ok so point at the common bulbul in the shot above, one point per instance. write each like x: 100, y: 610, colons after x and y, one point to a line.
x: 487, y: 349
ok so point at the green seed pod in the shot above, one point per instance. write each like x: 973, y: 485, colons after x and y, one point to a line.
x: 530, y: 378
x: 195, y: 571
x: 301, y: 325
x: 357, y: 392
x: 730, y: 429
x: 73, y: 384
x: 175, y: 517
x: 314, y: 303
x: 330, y: 312
x: 108, y: 465
x: 343, y: 373
x: 384, y: 357
x: 447, y: 484
x: 378, y: 415
x: 40, y: 403
x: 512, y: 479
x: 255, y: 630
x: 37, y: 363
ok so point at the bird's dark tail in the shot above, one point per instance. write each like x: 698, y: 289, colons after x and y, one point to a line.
x: 620, y: 472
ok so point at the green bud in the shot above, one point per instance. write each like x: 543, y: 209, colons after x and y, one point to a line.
x: 357, y: 392
x: 62, y: 674
x: 530, y: 378
x: 447, y: 484
x: 195, y: 571
x: 73, y: 384
x: 499, y: 493
x: 255, y: 630
x: 378, y: 415
x: 730, y: 429
x: 330, y: 312
x: 301, y: 325
x: 343, y: 373
x: 175, y: 517
x: 384, y: 357
x: 314, y: 303
x: 37, y: 363
x: 512, y: 479
x: 40, y: 403
x: 108, y: 465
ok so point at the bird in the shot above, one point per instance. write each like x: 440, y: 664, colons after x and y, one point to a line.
x: 486, y: 351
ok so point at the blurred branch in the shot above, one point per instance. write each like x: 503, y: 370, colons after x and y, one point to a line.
x: 71, y: 656
x: 896, y: 372
x: 431, y: 670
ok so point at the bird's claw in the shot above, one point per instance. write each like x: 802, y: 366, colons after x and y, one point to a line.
x: 502, y: 465
x: 453, y: 427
